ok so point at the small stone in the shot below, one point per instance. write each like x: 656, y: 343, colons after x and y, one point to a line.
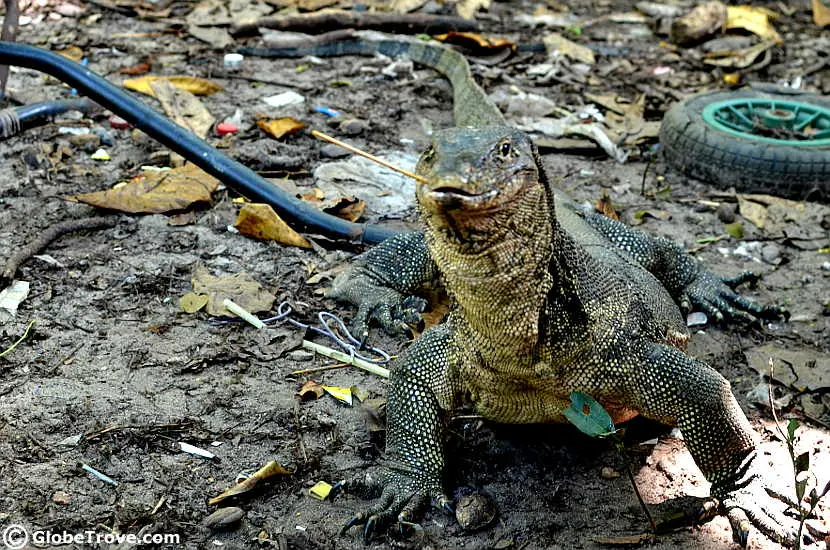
x: 223, y: 518
x: 608, y: 472
x: 726, y: 212
x: 475, y: 511
x: 61, y: 497
x: 332, y: 151
x: 300, y: 355
x: 100, y: 154
x: 825, y: 266
x: 86, y: 142
x: 353, y: 126
x: 696, y: 319
x: 771, y: 254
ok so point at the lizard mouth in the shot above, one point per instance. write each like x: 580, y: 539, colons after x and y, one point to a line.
x: 450, y: 198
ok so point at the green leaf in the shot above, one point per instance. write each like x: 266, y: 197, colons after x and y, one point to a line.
x: 800, y: 487
x: 802, y: 463
x: 792, y: 426
x: 735, y: 230
x: 589, y: 416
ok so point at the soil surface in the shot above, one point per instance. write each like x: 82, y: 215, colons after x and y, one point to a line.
x: 114, y: 375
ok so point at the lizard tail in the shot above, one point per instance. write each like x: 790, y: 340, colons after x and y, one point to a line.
x: 471, y: 106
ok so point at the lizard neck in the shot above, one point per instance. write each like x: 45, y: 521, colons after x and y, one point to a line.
x: 499, y: 275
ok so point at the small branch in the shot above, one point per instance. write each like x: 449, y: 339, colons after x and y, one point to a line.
x: 47, y: 237
x: 25, y: 334
x: 346, y: 358
x: 320, y: 22
x: 364, y: 154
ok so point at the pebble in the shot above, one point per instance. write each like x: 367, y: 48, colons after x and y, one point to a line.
x: 353, y: 126
x: 223, y: 518
x: 771, y: 254
x: 300, y: 355
x: 88, y: 143
x: 475, y: 511
x: 726, y: 212
x: 696, y: 319
x: 825, y: 266
x: 608, y: 472
x: 332, y: 151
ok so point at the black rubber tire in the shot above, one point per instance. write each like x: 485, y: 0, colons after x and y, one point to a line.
x: 706, y: 153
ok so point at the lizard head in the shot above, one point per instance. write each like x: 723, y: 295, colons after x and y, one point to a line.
x: 474, y: 177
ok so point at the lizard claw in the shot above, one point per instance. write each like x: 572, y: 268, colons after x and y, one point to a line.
x: 753, y: 500
x: 402, y: 499
x: 716, y: 297
x: 392, y: 311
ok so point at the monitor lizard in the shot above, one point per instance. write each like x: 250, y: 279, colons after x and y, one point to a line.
x: 547, y: 300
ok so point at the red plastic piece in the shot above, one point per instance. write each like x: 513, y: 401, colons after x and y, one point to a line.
x: 118, y: 123
x: 225, y: 128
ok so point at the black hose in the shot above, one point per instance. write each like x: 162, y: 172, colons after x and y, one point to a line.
x: 238, y: 177
x: 16, y: 119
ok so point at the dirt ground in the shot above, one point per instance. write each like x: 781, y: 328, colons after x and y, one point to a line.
x: 114, y: 375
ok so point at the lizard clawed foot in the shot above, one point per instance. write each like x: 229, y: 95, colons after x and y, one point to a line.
x: 401, y: 500
x: 392, y: 311
x: 716, y: 297
x: 754, y: 500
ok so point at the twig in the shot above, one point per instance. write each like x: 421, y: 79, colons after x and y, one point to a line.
x: 47, y: 237
x: 346, y: 358
x: 318, y: 369
x: 364, y: 154
x: 25, y: 334
x: 8, y: 34
x: 320, y: 22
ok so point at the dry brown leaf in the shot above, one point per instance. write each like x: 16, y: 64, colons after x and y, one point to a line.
x: 468, y: 8
x: 821, y: 13
x: 183, y: 107
x: 192, y: 302
x: 280, y: 127
x: 155, y: 192
x: 348, y: 208
x: 268, y: 471
x: 138, y: 69
x: 74, y: 53
x: 311, y: 390
x: 474, y: 41
x: 754, y: 20
x: 261, y: 222
x: 606, y: 207
x: 555, y: 42
x: 240, y: 288
x: 705, y: 20
x: 193, y: 84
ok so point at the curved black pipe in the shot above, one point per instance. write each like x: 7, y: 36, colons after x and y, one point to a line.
x: 238, y: 177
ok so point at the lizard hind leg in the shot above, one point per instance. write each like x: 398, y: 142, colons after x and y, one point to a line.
x: 673, y: 387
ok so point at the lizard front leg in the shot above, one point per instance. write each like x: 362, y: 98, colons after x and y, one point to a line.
x: 381, y: 283
x: 674, y: 388
x: 423, y: 385
x: 688, y: 282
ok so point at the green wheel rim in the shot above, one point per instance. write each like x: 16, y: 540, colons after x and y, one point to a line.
x: 784, y: 122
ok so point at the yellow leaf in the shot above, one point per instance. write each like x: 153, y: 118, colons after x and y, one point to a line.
x: 192, y: 84
x: 341, y: 394
x: 74, y: 53
x: 280, y: 127
x: 192, y: 302
x: 754, y: 20
x: 155, y: 192
x: 821, y: 13
x: 263, y: 474
x: 261, y: 222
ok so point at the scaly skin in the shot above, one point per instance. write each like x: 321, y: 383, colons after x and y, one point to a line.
x: 547, y: 300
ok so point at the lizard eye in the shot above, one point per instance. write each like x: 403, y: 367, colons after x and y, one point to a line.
x: 504, y: 148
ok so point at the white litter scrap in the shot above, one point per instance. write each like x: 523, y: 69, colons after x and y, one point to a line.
x: 284, y: 99
x: 196, y: 451
x: 10, y: 298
